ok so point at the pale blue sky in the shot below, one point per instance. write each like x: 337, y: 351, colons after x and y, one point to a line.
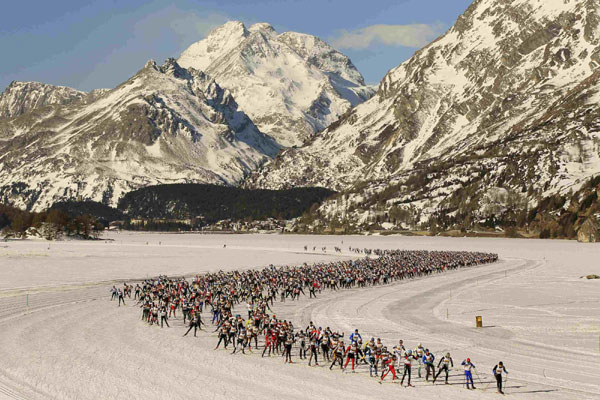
x: 89, y: 44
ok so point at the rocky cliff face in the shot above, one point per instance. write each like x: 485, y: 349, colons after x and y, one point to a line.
x: 292, y: 85
x: 22, y: 97
x: 166, y: 124
x: 493, y: 115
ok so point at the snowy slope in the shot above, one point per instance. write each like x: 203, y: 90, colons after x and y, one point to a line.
x: 291, y: 84
x: 536, y: 310
x: 166, y: 124
x: 507, y: 98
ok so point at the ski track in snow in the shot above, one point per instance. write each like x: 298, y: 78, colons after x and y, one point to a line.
x: 72, y: 342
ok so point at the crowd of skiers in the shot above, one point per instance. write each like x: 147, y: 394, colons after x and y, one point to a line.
x: 162, y: 298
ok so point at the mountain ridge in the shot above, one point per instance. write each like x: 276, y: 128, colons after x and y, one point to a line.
x: 165, y: 124
x: 22, y: 97
x: 501, y: 104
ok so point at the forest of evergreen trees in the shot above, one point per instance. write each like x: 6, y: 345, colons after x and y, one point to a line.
x: 214, y: 203
x: 162, y: 208
x: 103, y: 213
x: 50, y: 224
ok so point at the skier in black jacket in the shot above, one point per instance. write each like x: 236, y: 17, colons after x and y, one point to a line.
x: 498, y: 370
x: 445, y: 363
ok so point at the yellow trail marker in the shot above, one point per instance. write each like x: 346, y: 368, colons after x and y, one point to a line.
x: 479, y: 321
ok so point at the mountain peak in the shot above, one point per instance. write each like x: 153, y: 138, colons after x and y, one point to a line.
x: 220, y: 41
x: 151, y: 64
x: 171, y: 67
x: 229, y: 29
x: 262, y: 27
x: 291, y: 85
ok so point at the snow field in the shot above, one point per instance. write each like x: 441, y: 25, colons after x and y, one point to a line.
x: 540, y: 318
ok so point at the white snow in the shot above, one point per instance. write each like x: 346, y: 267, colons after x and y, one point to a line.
x: 540, y: 318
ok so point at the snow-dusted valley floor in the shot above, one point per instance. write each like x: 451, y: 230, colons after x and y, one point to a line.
x: 71, y: 342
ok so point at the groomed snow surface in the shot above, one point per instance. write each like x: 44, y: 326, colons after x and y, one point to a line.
x: 72, y: 342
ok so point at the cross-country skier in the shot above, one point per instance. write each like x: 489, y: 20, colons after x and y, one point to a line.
x: 372, y: 360
x: 388, y: 361
x: 154, y: 315
x: 468, y: 365
x: 351, y: 353
x: 312, y: 290
x: 355, y: 336
x: 445, y: 362
x: 242, y: 342
x: 419, y: 352
x: 428, y: 360
x: 173, y: 308
x: 121, y: 297
x: 498, y: 370
x: 289, y: 341
x: 400, y: 351
x: 193, y: 325
x: 163, y: 317
x: 313, y: 350
x: 146, y: 312
x: 325, y: 346
x: 302, y: 339
x: 338, y: 354
x: 223, y: 335
x: 185, y: 308
x: 268, y: 342
x: 408, y: 358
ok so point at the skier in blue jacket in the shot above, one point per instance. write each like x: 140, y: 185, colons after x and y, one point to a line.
x: 468, y: 365
x: 355, y: 337
x: 428, y: 360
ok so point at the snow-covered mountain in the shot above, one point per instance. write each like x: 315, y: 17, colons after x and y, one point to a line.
x: 292, y: 85
x: 499, y: 111
x: 165, y: 124
x: 21, y: 97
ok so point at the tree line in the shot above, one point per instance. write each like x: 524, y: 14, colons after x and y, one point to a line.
x: 215, y: 203
x: 51, y: 224
x: 173, y: 207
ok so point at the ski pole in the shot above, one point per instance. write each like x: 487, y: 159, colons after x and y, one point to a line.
x: 479, y: 378
x: 486, y: 386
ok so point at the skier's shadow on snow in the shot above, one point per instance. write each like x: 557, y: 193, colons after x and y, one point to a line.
x: 534, y: 391
x: 540, y: 391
